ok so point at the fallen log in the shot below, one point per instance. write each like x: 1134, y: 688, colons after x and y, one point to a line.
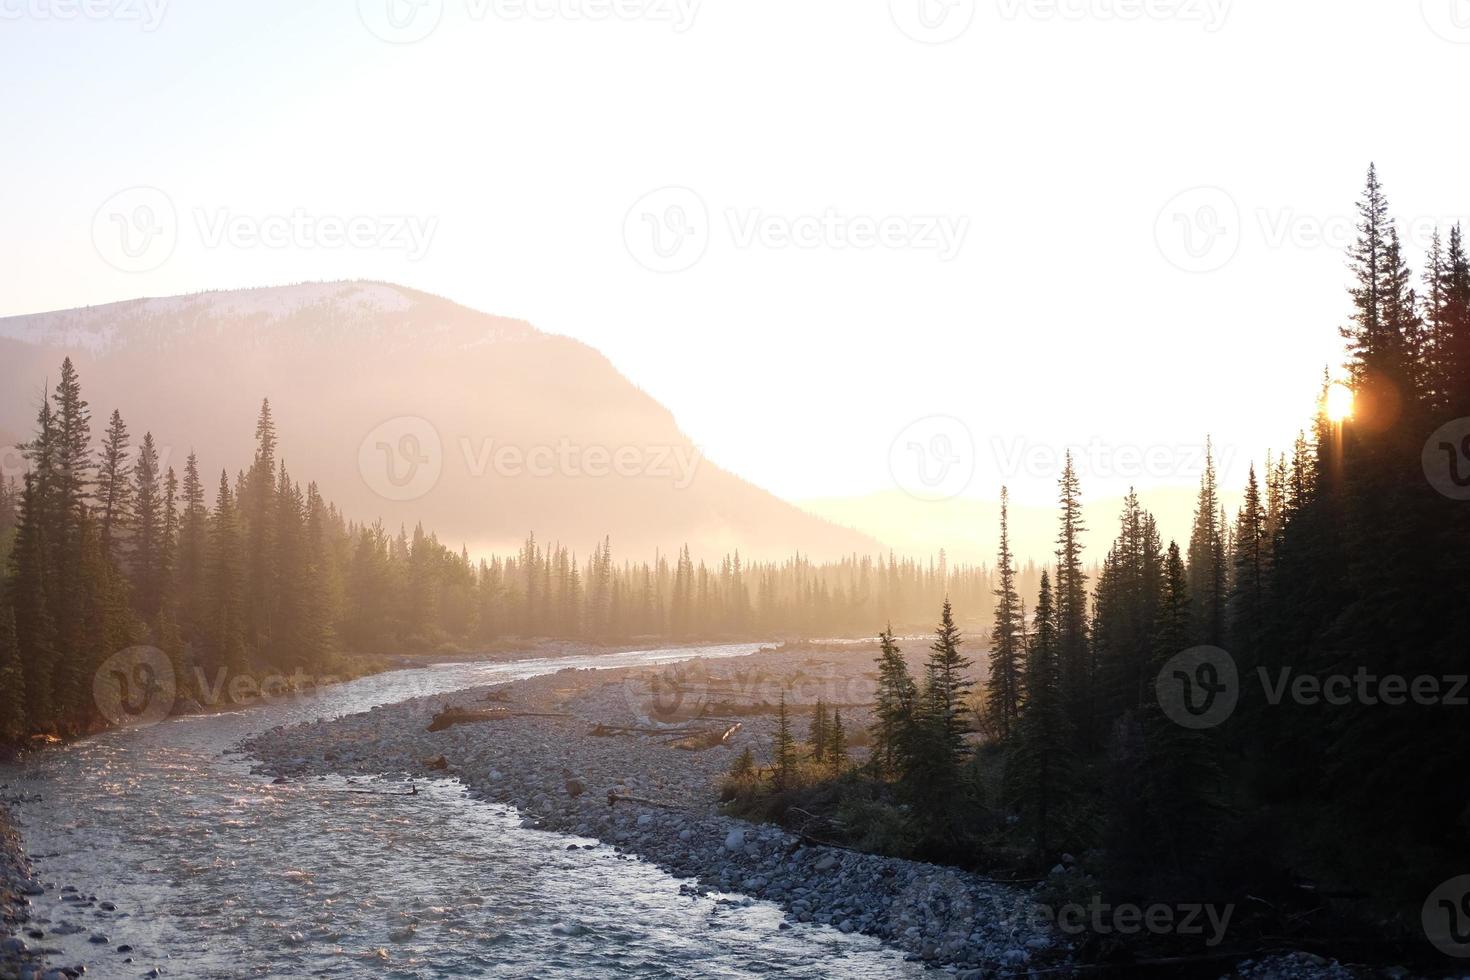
x: 705, y: 740
x: 450, y: 717
x: 604, y: 731
x: 615, y: 797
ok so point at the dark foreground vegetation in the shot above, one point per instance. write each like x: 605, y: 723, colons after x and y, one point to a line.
x: 1329, y: 802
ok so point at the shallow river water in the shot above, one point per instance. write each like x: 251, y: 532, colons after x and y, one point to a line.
x: 214, y: 872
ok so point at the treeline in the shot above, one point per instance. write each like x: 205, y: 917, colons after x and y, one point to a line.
x: 546, y: 591
x: 104, y: 548
x: 1349, y: 558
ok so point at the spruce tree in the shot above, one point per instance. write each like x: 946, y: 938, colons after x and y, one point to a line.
x: 14, y: 723
x: 893, y: 711
x: 1073, y: 647
x: 1449, y: 339
x: 226, y: 626
x: 817, y: 737
x: 836, y: 750
x: 1207, y: 557
x: 257, y: 514
x: 1003, y: 689
x: 1041, y: 769
x: 784, y: 757
x: 114, y: 485
x: 146, y: 547
x: 1252, y: 566
x: 1182, y: 777
x: 192, y: 550
x: 946, y: 686
x: 1368, y: 259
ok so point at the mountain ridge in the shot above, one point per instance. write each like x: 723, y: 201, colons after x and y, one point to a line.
x: 359, y: 370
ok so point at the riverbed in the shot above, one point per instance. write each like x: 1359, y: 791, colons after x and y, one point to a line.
x: 160, y: 851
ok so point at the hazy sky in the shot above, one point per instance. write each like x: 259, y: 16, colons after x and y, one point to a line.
x: 803, y: 227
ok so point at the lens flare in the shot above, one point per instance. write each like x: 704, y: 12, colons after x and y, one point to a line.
x: 1339, y: 402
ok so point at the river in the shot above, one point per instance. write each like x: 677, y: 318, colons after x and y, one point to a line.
x: 216, y: 873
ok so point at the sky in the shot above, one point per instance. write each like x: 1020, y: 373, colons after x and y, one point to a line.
x: 855, y: 247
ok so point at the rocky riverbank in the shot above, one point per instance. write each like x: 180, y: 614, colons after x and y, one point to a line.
x: 629, y: 783
x: 17, y: 957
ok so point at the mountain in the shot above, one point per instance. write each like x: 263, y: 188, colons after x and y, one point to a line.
x: 408, y: 407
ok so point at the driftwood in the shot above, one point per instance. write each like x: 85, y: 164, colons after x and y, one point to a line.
x: 603, y: 731
x: 615, y: 797
x: 705, y: 740
x: 688, y: 738
x: 450, y: 717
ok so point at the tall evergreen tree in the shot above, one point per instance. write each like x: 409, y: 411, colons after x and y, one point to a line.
x: 893, y: 710
x: 1003, y: 689
x: 114, y: 485
x: 1252, y: 568
x: 817, y: 737
x: 1207, y: 556
x: 225, y: 601
x: 835, y: 752
x: 1041, y: 768
x: 13, y: 706
x: 784, y: 749
x: 193, y: 549
x: 146, y: 546
x: 1074, y: 650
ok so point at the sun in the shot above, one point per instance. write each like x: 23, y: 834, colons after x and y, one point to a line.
x: 1339, y: 402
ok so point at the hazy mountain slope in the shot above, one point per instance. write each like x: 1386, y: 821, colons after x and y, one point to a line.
x: 375, y: 388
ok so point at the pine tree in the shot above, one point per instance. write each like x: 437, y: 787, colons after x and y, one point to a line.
x: 784, y: 750
x: 192, y: 550
x: 224, y: 581
x: 817, y: 737
x: 1040, y: 771
x: 836, y: 751
x: 40, y: 554
x: 946, y: 686
x: 1252, y: 566
x: 13, y: 706
x: 893, y: 711
x: 1073, y: 647
x: 744, y: 765
x: 1449, y: 330
x: 1003, y: 692
x: 147, y: 544
x: 1181, y: 773
x: 1207, y: 559
x: 934, y: 749
x: 257, y: 512
x: 114, y: 488
x: 1368, y: 259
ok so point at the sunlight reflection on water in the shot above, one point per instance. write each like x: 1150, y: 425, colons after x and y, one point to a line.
x: 218, y: 873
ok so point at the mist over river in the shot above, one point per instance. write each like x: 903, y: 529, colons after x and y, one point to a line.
x: 208, y: 871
